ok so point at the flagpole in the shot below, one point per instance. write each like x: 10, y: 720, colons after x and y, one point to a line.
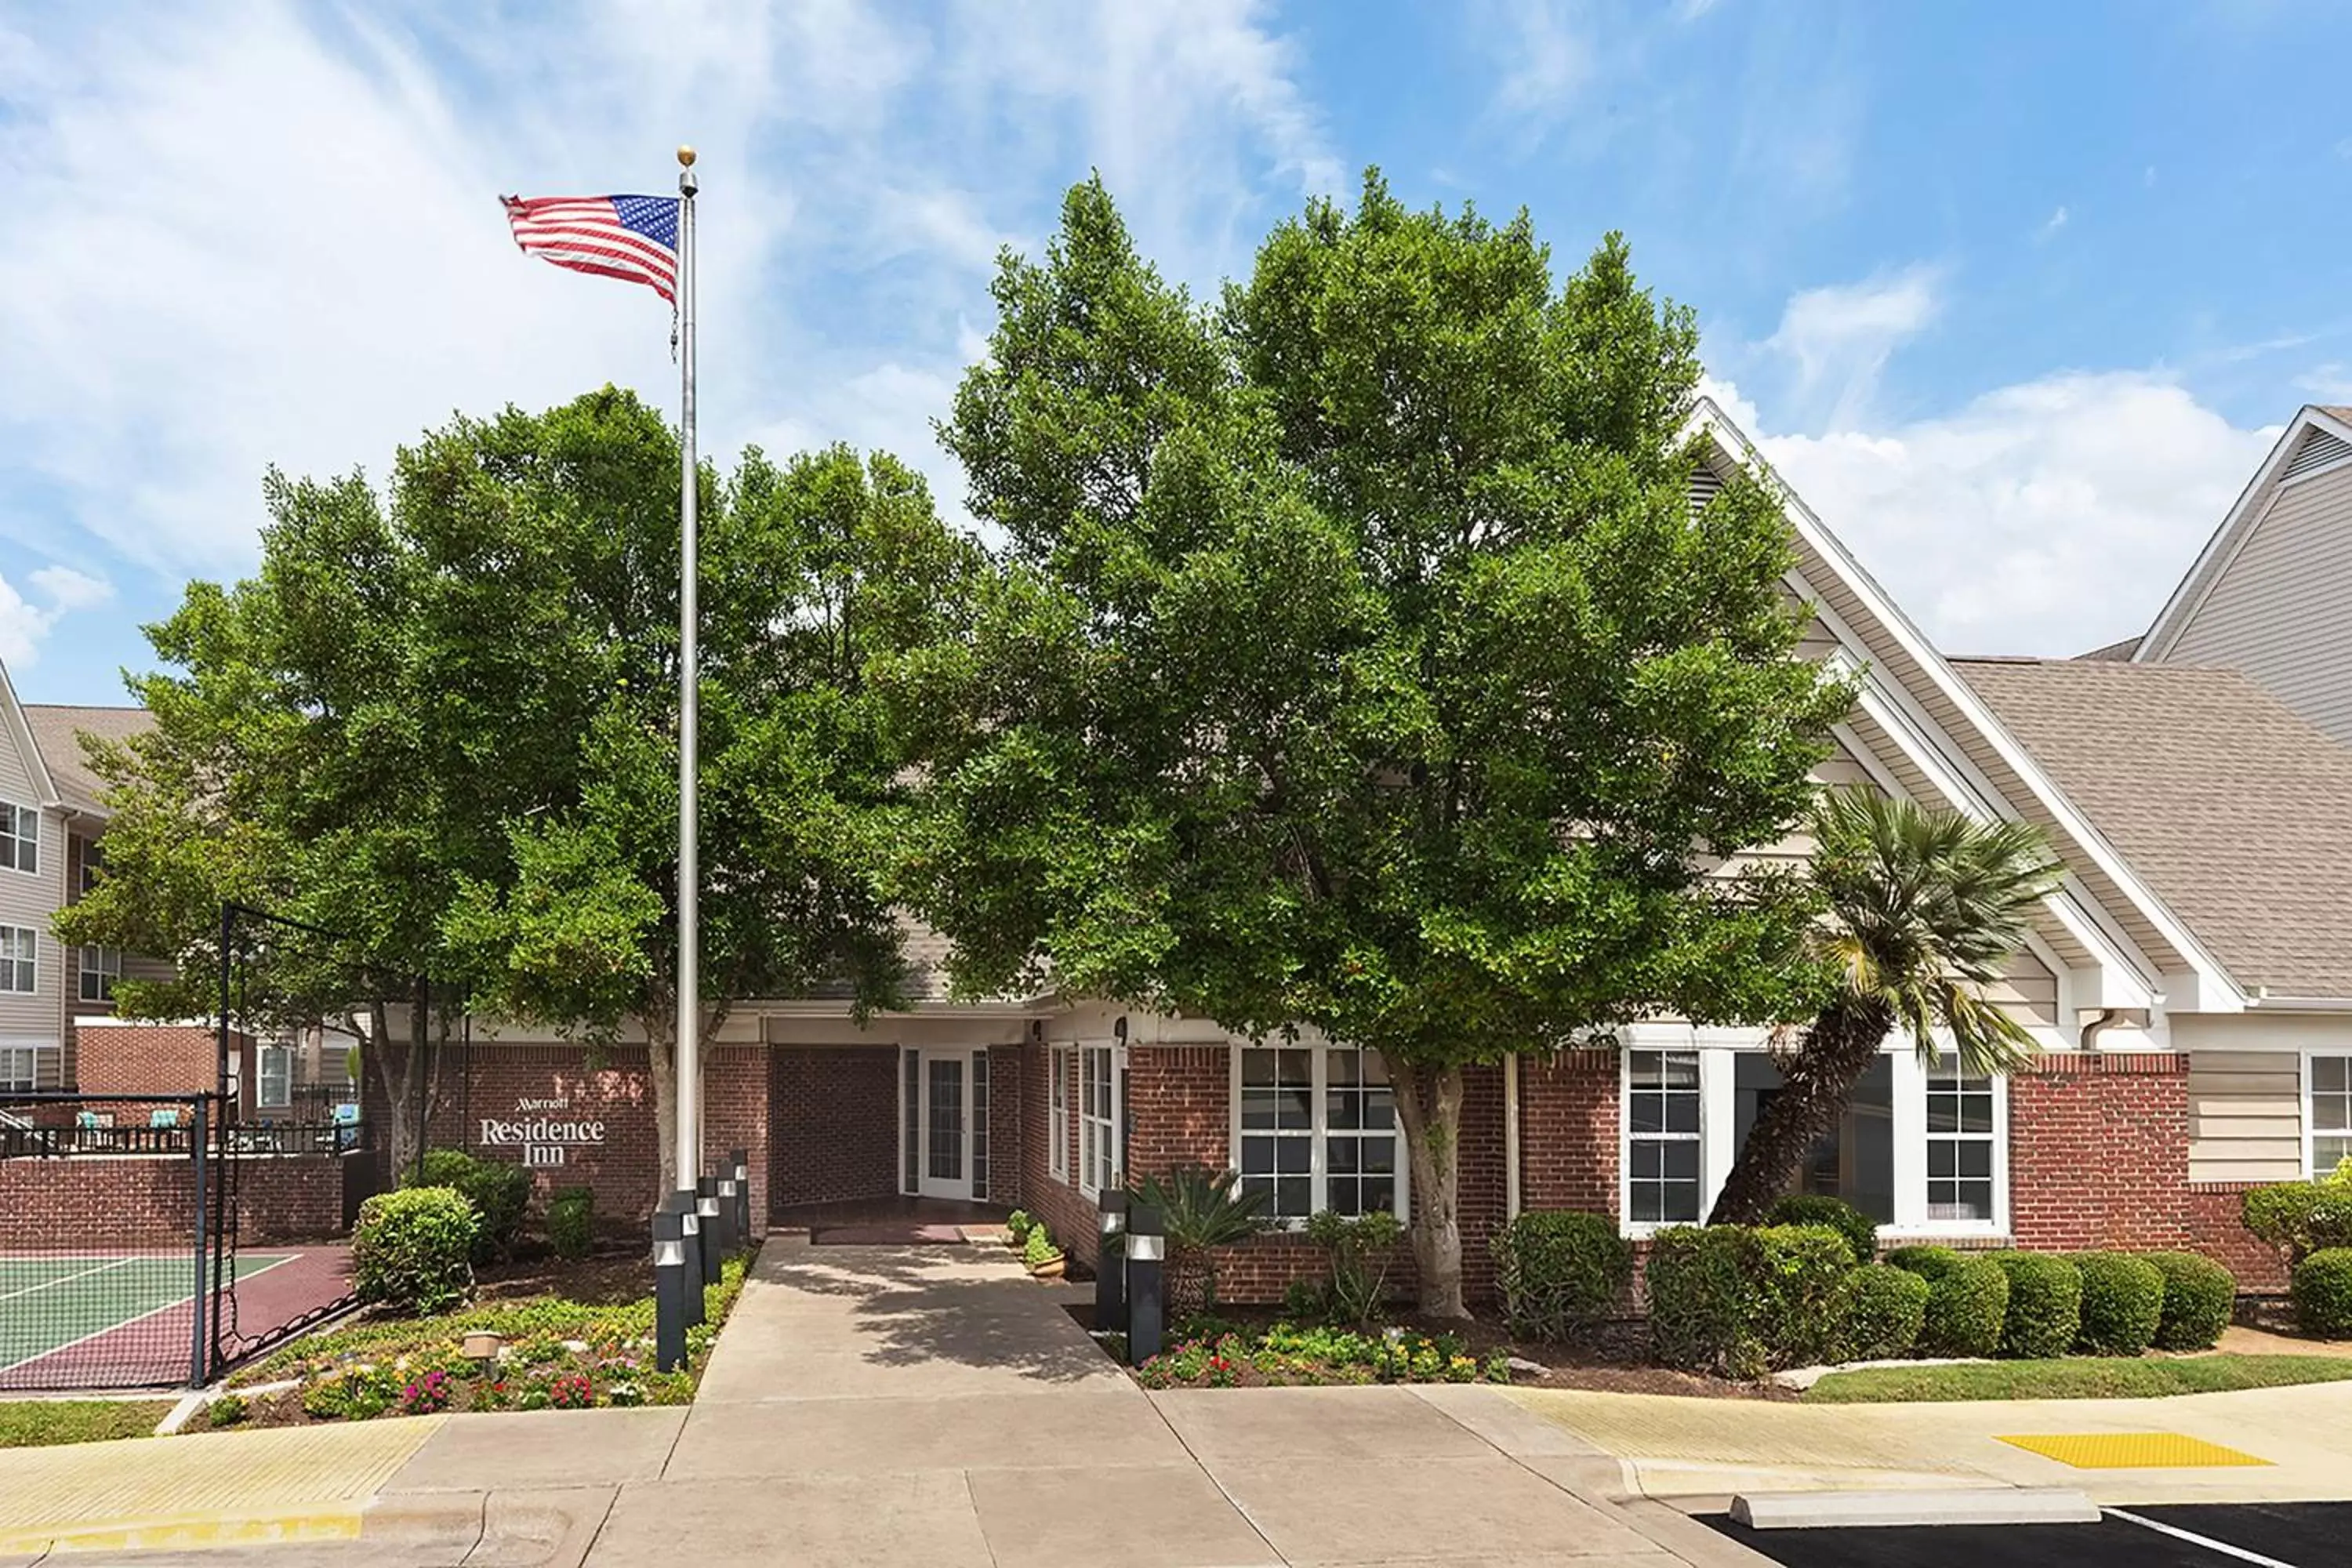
x: 689, y: 880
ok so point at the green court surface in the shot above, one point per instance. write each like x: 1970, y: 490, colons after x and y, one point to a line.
x: 49, y: 1302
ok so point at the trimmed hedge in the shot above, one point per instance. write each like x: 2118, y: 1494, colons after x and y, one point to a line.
x: 1702, y: 1307
x: 2045, y: 1314
x: 410, y: 1249
x: 1877, y: 1311
x: 2301, y: 1217
x: 1859, y: 1229
x: 1930, y: 1262
x: 2321, y: 1291
x: 1802, y: 1265
x: 572, y: 1222
x: 1560, y: 1272
x: 2199, y: 1294
x: 1966, y: 1305
x: 2123, y: 1302
x: 501, y: 1193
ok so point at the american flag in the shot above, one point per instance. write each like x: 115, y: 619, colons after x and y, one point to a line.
x: 631, y: 238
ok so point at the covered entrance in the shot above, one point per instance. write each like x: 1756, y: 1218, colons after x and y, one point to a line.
x: 943, y: 1122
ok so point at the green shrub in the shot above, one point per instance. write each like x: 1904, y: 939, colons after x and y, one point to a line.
x: 572, y: 1222
x: 1966, y: 1305
x: 1875, y: 1313
x: 1930, y: 1262
x: 1359, y: 1251
x: 2322, y: 1293
x: 2197, y: 1295
x: 1016, y: 1225
x: 1802, y: 1265
x: 1039, y: 1247
x: 1702, y: 1286
x: 411, y: 1250
x: 500, y: 1195
x: 1201, y: 1210
x: 1560, y: 1272
x: 2045, y: 1305
x: 1861, y: 1231
x: 2302, y: 1218
x: 2123, y: 1302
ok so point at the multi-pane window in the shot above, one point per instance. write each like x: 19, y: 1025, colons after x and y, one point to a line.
x: 1059, y: 1097
x: 2331, y: 1113
x: 1097, y: 1121
x: 1662, y: 1145
x: 101, y: 968
x: 19, y: 946
x: 1959, y: 1146
x: 980, y: 1124
x: 911, y: 1111
x: 20, y: 838
x: 276, y: 1088
x: 1318, y: 1131
x: 19, y: 1069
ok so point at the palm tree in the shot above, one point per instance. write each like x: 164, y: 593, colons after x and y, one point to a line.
x: 1926, y: 908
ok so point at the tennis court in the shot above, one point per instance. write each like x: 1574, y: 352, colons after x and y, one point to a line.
x: 114, y: 1320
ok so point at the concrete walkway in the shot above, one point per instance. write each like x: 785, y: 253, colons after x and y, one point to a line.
x: 934, y: 1406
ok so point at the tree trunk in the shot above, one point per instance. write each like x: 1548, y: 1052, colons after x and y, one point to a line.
x: 1817, y: 1085
x: 404, y: 1130
x: 1429, y: 1107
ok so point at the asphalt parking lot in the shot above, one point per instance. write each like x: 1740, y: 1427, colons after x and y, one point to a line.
x: 2187, y: 1535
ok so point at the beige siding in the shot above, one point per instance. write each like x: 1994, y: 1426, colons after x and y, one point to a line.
x: 2029, y: 991
x: 30, y: 900
x: 2245, y: 1090
x: 2281, y: 607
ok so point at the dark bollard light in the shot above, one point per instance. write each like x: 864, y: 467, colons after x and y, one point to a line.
x: 669, y: 1289
x: 714, y: 1245
x: 730, y: 1211
x: 718, y: 1218
x: 1110, y: 1263
x: 1147, y: 1244
x: 739, y: 1162
x: 689, y: 1223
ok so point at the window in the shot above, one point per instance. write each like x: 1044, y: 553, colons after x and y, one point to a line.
x: 19, y: 1069
x: 101, y: 968
x: 980, y: 1125
x: 1856, y: 1160
x: 275, y: 1089
x: 1317, y: 1130
x: 19, y: 948
x: 93, y: 862
x: 910, y: 1128
x: 2330, y: 1111
x: 1661, y: 1185
x: 1959, y: 1146
x: 20, y: 838
x: 1099, y: 1152
x: 1059, y: 1097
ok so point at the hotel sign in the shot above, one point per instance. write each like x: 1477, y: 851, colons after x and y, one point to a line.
x: 543, y: 1130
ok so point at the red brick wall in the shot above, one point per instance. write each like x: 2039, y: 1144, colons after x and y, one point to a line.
x: 1568, y: 1131
x: 1054, y: 1199
x: 1005, y: 1119
x: 835, y: 1112
x: 2216, y: 1230
x: 105, y: 1201
x: 156, y: 1059
x: 2098, y: 1151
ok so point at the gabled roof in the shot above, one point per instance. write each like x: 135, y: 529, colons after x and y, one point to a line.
x: 2319, y: 438
x: 2231, y: 804
x: 57, y: 730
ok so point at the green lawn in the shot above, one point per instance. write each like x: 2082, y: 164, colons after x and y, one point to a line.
x: 2076, y: 1377
x: 35, y: 1423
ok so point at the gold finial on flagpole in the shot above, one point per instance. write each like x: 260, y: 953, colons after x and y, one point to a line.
x: 686, y: 157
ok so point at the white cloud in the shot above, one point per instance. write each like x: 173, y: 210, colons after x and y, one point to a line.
x: 1544, y: 58
x: 2329, y: 383
x: 1840, y: 337
x: 24, y: 625
x: 2046, y: 518
x: 2051, y: 224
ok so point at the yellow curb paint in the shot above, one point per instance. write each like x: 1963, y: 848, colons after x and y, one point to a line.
x: 2130, y: 1450
x: 190, y: 1534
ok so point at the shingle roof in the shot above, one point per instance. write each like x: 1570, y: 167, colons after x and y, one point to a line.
x: 57, y: 730
x: 2231, y: 808
x: 2114, y: 651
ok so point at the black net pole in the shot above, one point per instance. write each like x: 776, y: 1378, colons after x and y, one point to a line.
x: 205, y: 1335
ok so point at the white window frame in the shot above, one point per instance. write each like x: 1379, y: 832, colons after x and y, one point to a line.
x: 18, y: 841
x: 107, y: 970
x: 10, y: 958
x: 27, y: 1052
x: 1627, y: 1136
x: 1100, y: 1157
x: 1717, y: 1050
x: 285, y: 1076
x: 1057, y: 1115
x: 1317, y: 1134
x: 2311, y: 1133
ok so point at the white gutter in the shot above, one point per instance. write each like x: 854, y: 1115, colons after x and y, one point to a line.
x: 2267, y: 1003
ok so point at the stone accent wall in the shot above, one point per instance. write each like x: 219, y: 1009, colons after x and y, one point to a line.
x: 835, y: 1112
x: 2098, y: 1151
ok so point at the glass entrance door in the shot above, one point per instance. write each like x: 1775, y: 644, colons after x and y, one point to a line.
x: 945, y: 1125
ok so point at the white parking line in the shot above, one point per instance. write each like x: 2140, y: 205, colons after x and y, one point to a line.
x: 2207, y: 1542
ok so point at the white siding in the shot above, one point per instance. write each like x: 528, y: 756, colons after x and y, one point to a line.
x: 2245, y: 1090
x: 31, y: 901
x: 2281, y: 607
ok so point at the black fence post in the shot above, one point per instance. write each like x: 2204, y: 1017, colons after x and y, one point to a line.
x: 669, y: 1288
x: 1147, y: 1243
x: 200, y: 1361
x: 1110, y: 1263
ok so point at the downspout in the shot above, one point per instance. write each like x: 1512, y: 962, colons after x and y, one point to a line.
x: 2107, y: 1018
x: 1510, y: 1137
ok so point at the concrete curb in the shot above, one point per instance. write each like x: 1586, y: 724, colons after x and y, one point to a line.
x: 454, y: 1521
x: 1851, y: 1511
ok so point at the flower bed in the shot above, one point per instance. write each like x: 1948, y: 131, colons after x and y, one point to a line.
x: 559, y: 1353
x: 1212, y: 1354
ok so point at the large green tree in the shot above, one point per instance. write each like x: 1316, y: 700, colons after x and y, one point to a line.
x: 1357, y: 659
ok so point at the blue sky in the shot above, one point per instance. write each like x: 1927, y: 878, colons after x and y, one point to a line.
x: 2016, y: 295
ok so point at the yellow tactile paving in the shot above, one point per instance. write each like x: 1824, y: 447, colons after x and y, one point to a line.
x: 2130, y: 1450
x: 304, y: 1480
